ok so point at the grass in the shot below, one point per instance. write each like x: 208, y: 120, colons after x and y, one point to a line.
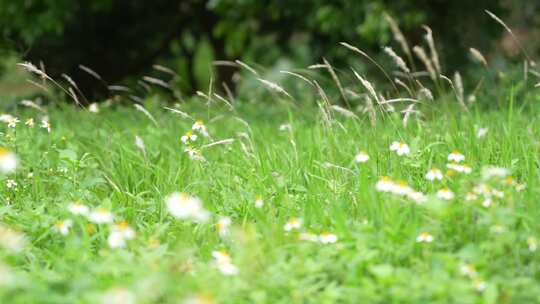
x: 307, y: 172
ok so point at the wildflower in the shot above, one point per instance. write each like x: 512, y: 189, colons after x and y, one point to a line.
x: 118, y: 296
x: 494, y: 172
x: 11, y: 240
x: 401, y: 188
x: 520, y: 187
x: 93, y: 108
x: 185, y: 206
x: 193, y: 153
x: 259, y: 201
x: 119, y: 234
x: 29, y: 122
x: 11, y: 184
x: 6, y: 117
x: 63, y: 226
x: 199, y: 126
x: 487, y: 202
x: 78, y: 209
x: 198, y: 299
x: 418, y: 197
x: 327, y: 238
x: 434, y: 174
x: 189, y: 136
x: 424, y: 237
x: 293, y: 223
x: 497, y: 193
x: 470, y: 196
x: 223, y: 225
x: 532, y: 243
x: 101, y: 216
x: 12, y: 123
x: 285, y: 127
x: 307, y: 236
x: 361, y: 157
x: 467, y: 270
x: 479, y: 285
x: 456, y: 156
x: 400, y: 148
x: 459, y: 168
x: 224, y: 264
x: 45, y: 124
x: 481, y: 132
x: 385, y: 184
x: 445, y: 194
x: 8, y: 161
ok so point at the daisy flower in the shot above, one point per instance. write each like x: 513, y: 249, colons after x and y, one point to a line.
x: 11, y: 239
x: 470, y: 196
x: 259, y: 201
x: 119, y: 234
x: 467, y: 270
x: 6, y: 117
x: 11, y: 184
x: 487, y: 202
x: 45, y: 124
x: 63, y: 226
x: 481, y: 132
x: 445, y: 194
x: 12, y: 123
x: 424, y: 237
x: 78, y: 209
x: 494, y: 172
x: 456, y: 156
x: 361, y: 157
x: 8, y: 161
x: 293, y: 223
x: 385, y: 184
x: 418, y: 197
x: 285, y: 127
x: 480, y: 285
x: 459, y: 168
x: 224, y: 263
x: 532, y: 243
x: 520, y: 187
x: 434, y: 174
x: 327, y: 238
x: 401, y: 188
x: 400, y: 148
x: 101, y: 216
x: 93, y: 108
x: 185, y: 206
x: 223, y: 225
x: 307, y: 236
x: 193, y: 153
x: 189, y: 136
x: 199, y: 126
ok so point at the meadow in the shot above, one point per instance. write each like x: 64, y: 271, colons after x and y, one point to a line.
x: 202, y: 203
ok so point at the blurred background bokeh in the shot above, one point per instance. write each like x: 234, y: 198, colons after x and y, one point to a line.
x: 122, y: 39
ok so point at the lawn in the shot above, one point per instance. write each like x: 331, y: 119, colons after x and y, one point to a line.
x: 273, y: 204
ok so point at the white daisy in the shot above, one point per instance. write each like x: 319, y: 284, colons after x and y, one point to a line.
x: 185, y: 206
x: 93, y: 107
x: 361, y: 157
x: 101, y: 216
x: 223, y: 225
x: 400, y: 148
x: 445, y: 194
x: 224, y: 263
x: 434, y: 174
x: 63, y: 226
x: 78, y: 208
x: 293, y: 223
x: 424, y: 237
x: 8, y: 161
x: 481, y: 132
x: 189, y: 136
x: 327, y: 238
x: 385, y: 184
x: 456, y: 156
x: 259, y: 202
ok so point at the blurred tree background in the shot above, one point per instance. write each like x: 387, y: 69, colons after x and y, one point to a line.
x: 122, y: 39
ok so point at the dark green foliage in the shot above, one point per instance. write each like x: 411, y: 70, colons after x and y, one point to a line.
x: 124, y: 38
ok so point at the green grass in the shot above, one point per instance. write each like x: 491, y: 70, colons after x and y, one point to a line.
x: 308, y: 172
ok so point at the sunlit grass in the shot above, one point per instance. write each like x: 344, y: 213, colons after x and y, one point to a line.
x: 293, y: 215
